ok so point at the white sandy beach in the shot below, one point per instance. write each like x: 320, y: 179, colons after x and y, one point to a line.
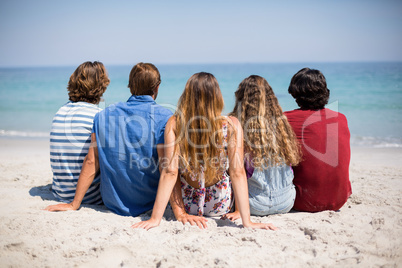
x: 366, y: 232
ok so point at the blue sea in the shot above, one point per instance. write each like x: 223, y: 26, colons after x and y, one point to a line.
x: 369, y: 94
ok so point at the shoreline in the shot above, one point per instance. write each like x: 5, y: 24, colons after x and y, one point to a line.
x: 364, y: 154
x: 367, y: 230
x: 356, y: 141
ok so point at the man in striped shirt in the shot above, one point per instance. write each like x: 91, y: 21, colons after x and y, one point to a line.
x: 70, y: 136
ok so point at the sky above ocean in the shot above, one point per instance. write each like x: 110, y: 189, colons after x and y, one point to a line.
x: 67, y: 33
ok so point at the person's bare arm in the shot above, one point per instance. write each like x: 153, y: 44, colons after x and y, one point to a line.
x: 90, y: 168
x: 176, y: 200
x: 238, y: 175
x: 167, y: 180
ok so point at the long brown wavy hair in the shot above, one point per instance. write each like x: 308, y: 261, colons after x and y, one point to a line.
x: 268, y: 137
x: 198, y: 130
x: 88, y: 82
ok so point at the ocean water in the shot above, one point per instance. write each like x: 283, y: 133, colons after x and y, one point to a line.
x: 369, y: 94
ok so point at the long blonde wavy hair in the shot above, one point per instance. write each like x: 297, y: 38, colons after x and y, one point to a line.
x: 199, y: 126
x: 268, y: 137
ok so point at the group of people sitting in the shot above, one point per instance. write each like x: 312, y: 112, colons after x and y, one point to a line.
x: 136, y: 156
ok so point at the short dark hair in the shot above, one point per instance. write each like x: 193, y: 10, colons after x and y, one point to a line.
x: 309, y: 88
x: 144, y: 79
x: 88, y: 82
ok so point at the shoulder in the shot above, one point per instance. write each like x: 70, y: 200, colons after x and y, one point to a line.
x: 64, y: 109
x: 338, y: 117
x: 113, y: 108
x: 171, y: 123
x: 293, y: 112
x: 78, y: 109
x: 298, y: 115
x: 83, y: 105
x: 234, y: 125
x: 331, y: 113
x: 169, y: 130
x: 90, y: 109
x: 161, y: 110
x: 84, y: 109
x: 161, y: 116
x: 289, y: 114
x: 233, y: 121
x: 108, y: 111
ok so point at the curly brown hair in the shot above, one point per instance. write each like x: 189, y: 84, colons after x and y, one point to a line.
x: 309, y: 88
x: 268, y: 137
x: 88, y: 82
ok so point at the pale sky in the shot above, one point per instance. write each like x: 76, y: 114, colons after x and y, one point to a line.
x: 53, y: 33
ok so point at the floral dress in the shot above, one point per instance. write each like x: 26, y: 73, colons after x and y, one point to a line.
x: 214, y: 200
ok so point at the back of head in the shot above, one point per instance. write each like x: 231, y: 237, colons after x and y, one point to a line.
x: 309, y: 88
x: 88, y: 82
x: 268, y: 137
x: 198, y: 124
x: 201, y: 90
x: 144, y: 79
x: 252, y: 97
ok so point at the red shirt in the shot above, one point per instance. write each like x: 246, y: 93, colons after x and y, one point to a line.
x: 322, y: 178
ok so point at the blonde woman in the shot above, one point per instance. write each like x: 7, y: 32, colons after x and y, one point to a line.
x: 201, y: 148
x: 271, y: 148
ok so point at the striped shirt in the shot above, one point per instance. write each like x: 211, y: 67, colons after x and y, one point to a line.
x: 70, y: 138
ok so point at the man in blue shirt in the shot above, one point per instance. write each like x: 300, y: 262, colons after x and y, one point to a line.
x: 127, y: 144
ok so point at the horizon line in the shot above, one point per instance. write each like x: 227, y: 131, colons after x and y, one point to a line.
x: 199, y: 63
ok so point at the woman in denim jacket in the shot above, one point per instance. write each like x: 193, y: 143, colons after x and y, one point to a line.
x: 270, y: 146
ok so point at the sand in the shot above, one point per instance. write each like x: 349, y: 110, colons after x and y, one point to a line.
x: 366, y: 232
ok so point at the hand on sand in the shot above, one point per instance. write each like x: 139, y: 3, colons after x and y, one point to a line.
x: 231, y: 216
x: 201, y: 222
x: 61, y: 207
x: 266, y: 226
x: 151, y: 223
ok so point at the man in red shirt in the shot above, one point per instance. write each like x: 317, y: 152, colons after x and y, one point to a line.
x: 322, y: 178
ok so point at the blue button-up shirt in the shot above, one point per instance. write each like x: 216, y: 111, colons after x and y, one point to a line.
x: 127, y: 134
